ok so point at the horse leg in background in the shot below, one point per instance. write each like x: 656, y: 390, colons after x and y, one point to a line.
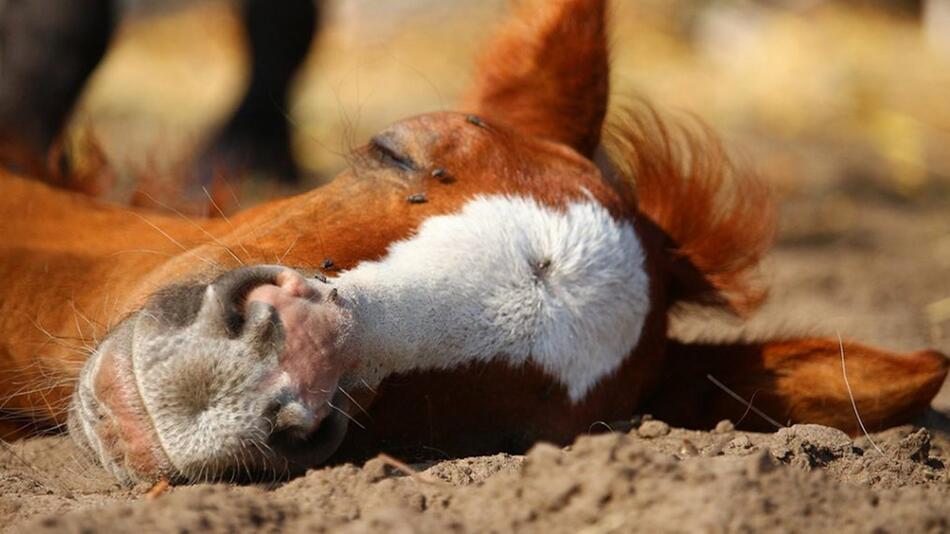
x: 257, y: 136
x: 48, y: 48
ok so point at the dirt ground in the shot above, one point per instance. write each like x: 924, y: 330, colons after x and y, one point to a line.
x: 864, y: 251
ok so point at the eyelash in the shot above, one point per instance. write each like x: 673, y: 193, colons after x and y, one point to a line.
x: 387, y: 156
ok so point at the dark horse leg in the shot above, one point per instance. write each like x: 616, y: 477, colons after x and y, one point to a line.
x: 47, y: 50
x: 257, y: 137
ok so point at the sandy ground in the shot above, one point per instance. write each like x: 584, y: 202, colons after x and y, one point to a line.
x: 864, y: 251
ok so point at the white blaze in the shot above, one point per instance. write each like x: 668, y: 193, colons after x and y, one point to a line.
x: 504, y: 278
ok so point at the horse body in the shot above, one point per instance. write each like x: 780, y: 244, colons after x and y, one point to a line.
x: 486, y: 285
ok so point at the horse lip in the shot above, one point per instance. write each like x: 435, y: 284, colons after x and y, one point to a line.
x: 107, y: 418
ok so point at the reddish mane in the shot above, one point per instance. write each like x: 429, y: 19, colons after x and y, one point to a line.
x: 718, y: 222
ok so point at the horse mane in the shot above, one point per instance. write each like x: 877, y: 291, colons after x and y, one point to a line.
x: 717, y: 221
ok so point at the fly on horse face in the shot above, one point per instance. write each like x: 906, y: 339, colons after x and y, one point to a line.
x: 491, y: 278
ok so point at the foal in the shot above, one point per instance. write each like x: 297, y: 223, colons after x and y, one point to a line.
x: 490, y: 278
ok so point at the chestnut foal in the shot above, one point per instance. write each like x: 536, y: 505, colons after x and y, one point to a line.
x: 485, y: 284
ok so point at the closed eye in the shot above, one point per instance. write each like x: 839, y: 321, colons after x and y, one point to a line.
x: 386, y: 152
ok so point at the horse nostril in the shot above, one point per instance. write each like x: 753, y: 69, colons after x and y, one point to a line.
x: 225, y: 310
x: 294, y: 417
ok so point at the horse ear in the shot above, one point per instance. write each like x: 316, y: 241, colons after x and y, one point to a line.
x: 546, y: 73
x: 796, y: 381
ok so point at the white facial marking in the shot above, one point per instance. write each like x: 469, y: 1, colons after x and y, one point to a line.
x: 504, y: 278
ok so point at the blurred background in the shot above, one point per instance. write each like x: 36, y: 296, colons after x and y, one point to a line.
x: 844, y: 106
x: 813, y: 91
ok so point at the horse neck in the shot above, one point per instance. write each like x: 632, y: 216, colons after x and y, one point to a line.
x: 71, y: 268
